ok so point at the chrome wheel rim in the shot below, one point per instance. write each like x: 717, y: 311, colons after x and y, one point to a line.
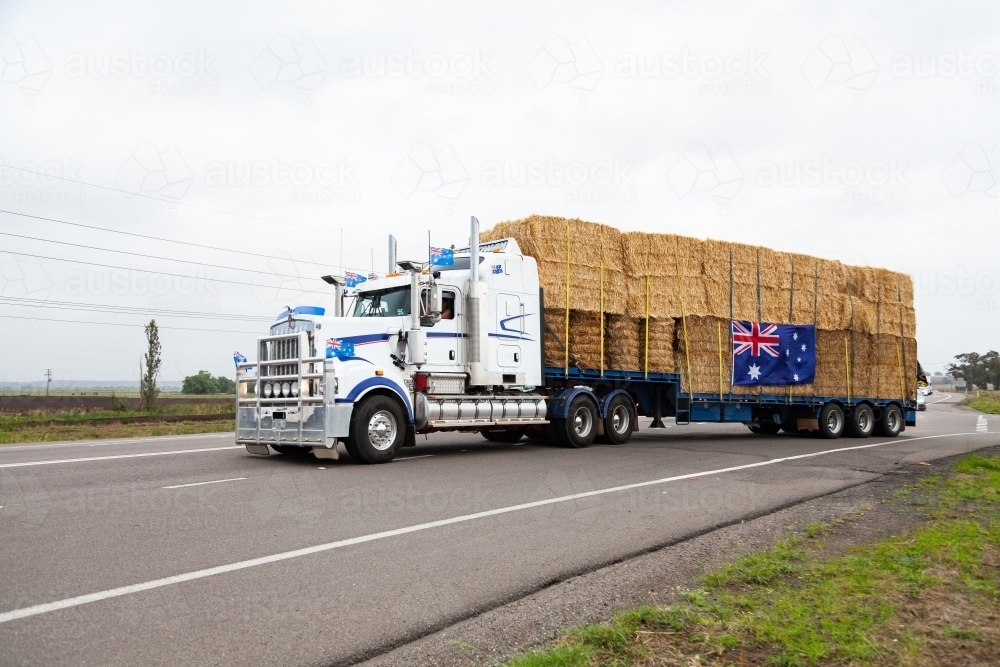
x: 620, y: 419
x: 834, y: 421
x: 892, y: 420
x: 382, y: 430
x: 865, y: 421
x: 583, y: 422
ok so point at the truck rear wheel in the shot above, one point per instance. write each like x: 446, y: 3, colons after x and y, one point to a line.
x: 510, y: 435
x: 619, y: 422
x: 891, y: 423
x: 579, y: 429
x: 861, y: 421
x: 831, y: 421
x: 378, y: 427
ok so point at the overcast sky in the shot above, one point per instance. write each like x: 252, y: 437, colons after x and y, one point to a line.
x: 862, y: 131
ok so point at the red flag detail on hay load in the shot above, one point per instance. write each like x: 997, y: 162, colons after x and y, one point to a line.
x: 766, y: 354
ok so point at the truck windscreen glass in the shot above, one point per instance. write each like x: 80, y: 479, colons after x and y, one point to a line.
x: 385, y: 303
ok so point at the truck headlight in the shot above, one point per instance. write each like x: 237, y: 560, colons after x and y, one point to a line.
x: 268, y: 390
x: 286, y: 389
x: 295, y: 389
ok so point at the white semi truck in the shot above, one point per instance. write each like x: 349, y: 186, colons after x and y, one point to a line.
x: 430, y: 348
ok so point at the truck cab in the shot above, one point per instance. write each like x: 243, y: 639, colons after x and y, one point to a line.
x: 427, y: 347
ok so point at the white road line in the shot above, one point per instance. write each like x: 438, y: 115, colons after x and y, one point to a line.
x: 35, y: 610
x: 981, y: 424
x: 215, y: 481
x: 153, y: 440
x: 117, y: 456
x: 943, y: 398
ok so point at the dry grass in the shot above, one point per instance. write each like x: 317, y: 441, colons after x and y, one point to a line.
x: 84, y: 431
x: 664, y: 277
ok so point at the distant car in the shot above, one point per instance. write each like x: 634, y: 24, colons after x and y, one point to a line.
x: 921, y: 400
x: 929, y: 389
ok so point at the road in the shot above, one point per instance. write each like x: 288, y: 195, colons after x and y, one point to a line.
x: 188, y: 550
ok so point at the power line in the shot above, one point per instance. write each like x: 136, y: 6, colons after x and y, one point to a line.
x: 159, y: 238
x: 166, y: 259
x: 123, y: 324
x: 129, y: 310
x: 162, y: 273
x: 203, y: 208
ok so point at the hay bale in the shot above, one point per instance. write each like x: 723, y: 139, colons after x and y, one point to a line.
x: 545, y: 239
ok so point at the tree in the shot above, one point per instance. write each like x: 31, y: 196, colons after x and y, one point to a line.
x: 204, y: 383
x: 977, y: 369
x: 148, y: 391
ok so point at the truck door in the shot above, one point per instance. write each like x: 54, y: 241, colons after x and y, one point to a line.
x: 445, y: 350
x: 509, y: 330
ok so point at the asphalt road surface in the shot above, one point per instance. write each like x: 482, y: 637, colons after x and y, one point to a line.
x: 188, y: 550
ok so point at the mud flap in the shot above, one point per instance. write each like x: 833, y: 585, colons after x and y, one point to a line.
x: 410, y: 439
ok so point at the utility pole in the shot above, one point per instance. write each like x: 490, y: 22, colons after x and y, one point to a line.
x: 48, y: 380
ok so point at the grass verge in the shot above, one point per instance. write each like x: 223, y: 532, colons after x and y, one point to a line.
x: 987, y: 401
x: 927, y: 597
x: 81, y: 430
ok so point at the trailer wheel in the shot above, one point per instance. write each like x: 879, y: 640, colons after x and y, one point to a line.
x: 579, y: 429
x: 861, y: 421
x: 891, y: 423
x: 831, y: 421
x: 510, y: 435
x: 619, y: 422
x: 378, y: 427
x: 764, y: 429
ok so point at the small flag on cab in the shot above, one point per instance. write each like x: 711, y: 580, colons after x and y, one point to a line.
x: 352, y: 279
x: 442, y: 257
x: 239, y: 358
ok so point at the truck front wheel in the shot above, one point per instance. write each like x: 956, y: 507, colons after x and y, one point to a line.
x: 580, y: 426
x: 378, y: 427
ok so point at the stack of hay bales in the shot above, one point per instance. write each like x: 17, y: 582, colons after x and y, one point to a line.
x: 668, y: 301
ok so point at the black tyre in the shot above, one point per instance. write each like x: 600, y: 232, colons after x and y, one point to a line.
x: 579, y: 429
x: 890, y: 424
x: 292, y: 451
x: 378, y: 428
x: 764, y: 429
x: 790, y: 427
x: 831, y: 421
x: 861, y: 421
x: 511, y: 435
x: 619, y: 421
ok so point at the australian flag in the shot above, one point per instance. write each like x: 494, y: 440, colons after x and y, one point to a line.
x: 342, y: 349
x: 773, y: 354
x: 442, y: 257
x: 239, y: 358
x: 353, y: 279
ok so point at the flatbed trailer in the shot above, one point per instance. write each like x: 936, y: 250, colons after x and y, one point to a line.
x: 662, y: 395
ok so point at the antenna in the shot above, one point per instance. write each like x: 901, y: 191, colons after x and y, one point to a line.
x: 373, y: 260
x: 341, y: 250
x: 429, y: 248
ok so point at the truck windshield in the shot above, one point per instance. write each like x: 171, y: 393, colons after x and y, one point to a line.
x: 384, y: 303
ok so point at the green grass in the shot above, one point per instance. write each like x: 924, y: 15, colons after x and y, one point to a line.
x: 987, y: 401
x: 792, y: 605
